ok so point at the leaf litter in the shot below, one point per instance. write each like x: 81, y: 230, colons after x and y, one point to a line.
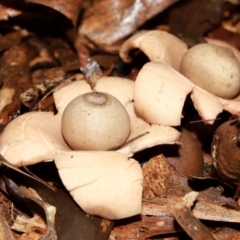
x: 172, y: 203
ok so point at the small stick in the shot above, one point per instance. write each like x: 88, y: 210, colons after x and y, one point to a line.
x: 131, y: 140
x: 205, y: 120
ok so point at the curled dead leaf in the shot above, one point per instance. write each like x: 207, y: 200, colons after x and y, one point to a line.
x: 109, y: 21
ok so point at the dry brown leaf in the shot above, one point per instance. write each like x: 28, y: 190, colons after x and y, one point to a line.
x: 163, y: 187
x: 32, y: 202
x: 191, y: 20
x: 109, y: 21
x: 34, y: 233
x: 214, y: 196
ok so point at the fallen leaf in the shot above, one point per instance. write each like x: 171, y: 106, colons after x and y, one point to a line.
x: 34, y: 203
x: 109, y: 21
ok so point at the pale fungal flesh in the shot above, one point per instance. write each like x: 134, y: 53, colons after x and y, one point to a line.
x: 121, y: 88
x: 207, y: 105
x: 106, y: 184
x: 31, y: 138
x: 160, y: 98
x: 151, y: 135
x: 111, y: 174
x: 65, y: 95
x: 62, y: 97
x: 160, y: 91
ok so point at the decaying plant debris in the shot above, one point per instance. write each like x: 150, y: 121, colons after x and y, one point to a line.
x: 54, y: 51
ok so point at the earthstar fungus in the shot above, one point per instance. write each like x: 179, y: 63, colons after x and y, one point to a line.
x: 167, y: 88
x: 154, y: 102
x: 101, y: 176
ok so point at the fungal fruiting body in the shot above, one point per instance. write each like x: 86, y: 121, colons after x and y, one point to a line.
x: 95, y: 121
x: 172, y: 80
x: 213, y: 68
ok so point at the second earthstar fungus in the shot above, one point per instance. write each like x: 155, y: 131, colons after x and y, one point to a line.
x: 103, y: 183
x: 161, y: 84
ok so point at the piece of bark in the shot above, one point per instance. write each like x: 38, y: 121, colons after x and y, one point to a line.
x: 144, y: 227
x: 165, y: 190
x: 14, y: 78
x: 160, y: 176
x: 109, y: 21
x: 194, y: 228
x: 163, y: 187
